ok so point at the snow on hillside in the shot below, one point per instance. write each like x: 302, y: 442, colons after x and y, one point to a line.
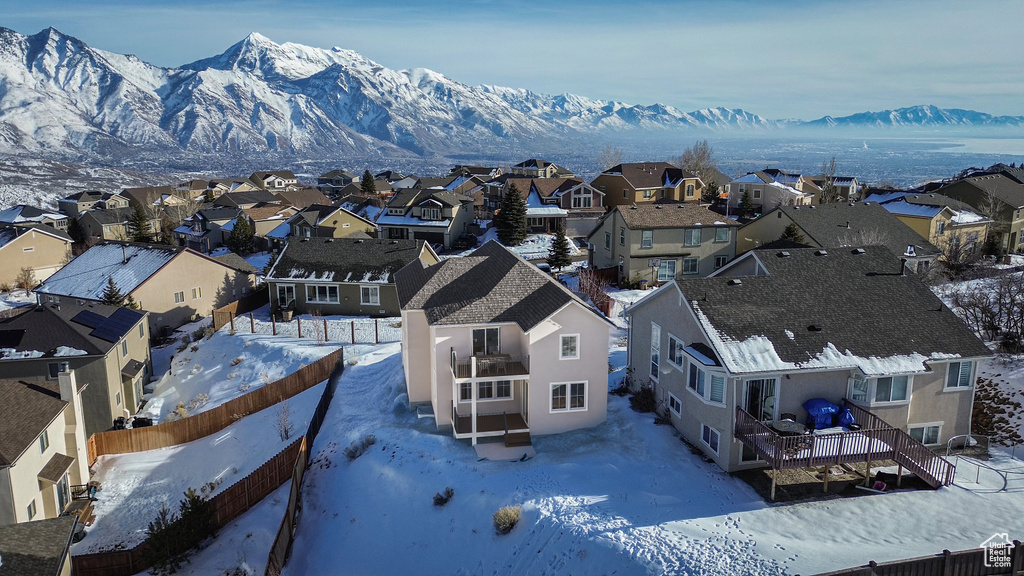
x: 226, y: 366
x: 626, y: 497
x: 134, y: 486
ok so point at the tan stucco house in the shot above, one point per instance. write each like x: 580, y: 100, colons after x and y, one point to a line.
x: 646, y: 183
x: 435, y: 215
x: 39, y: 247
x: 107, y: 348
x: 42, y: 448
x: 659, y: 242
x: 939, y: 219
x: 732, y: 355
x: 497, y: 348
x: 174, y: 284
x: 347, y: 276
x: 326, y: 221
x: 999, y: 196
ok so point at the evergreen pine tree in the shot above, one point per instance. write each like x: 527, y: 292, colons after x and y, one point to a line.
x: 139, y: 228
x: 76, y: 231
x: 112, y: 295
x: 559, y: 257
x: 792, y: 233
x: 367, y: 185
x: 709, y: 194
x: 746, y: 205
x: 511, y: 220
x: 241, y: 236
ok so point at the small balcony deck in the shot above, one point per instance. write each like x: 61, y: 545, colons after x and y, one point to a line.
x: 876, y: 440
x: 493, y: 366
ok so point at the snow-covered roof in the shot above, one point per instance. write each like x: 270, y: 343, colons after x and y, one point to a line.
x: 386, y: 219
x: 281, y: 231
x: 350, y: 260
x: 129, y: 265
x: 965, y: 217
x: 907, y: 209
x: 535, y: 207
x: 23, y: 213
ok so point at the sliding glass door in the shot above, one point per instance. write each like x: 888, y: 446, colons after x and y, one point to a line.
x: 759, y: 398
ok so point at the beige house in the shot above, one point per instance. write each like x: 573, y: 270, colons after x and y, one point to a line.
x: 435, y: 215
x: 42, y: 448
x: 659, y: 242
x: 536, y: 168
x: 107, y: 348
x: 766, y: 193
x: 72, y: 204
x: 111, y: 224
x: 999, y: 196
x: 174, y: 284
x: 325, y: 221
x: 38, y: 247
x: 274, y: 179
x: 646, y: 183
x: 499, y: 349
x: 25, y: 215
x: 733, y: 359
x: 939, y: 219
x: 347, y: 276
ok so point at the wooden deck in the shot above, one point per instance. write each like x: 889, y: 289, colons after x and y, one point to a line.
x: 875, y: 441
x: 494, y: 367
x: 491, y: 423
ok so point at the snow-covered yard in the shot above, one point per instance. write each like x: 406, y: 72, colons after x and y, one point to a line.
x: 134, y: 486
x: 626, y: 497
x: 535, y: 247
x: 223, y: 367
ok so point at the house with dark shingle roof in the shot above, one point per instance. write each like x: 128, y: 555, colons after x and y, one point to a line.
x: 107, y: 347
x: 842, y: 225
x: 435, y: 215
x: 733, y: 354
x: 941, y: 220
x: 327, y: 221
x: 38, y: 247
x: 646, y: 183
x: 175, y: 284
x: 246, y: 199
x: 335, y: 180
x: 342, y: 276
x: 111, y: 224
x: 72, y: 204
x: 767, y: 192
x: 536, y: 168
x: 498, y: 348
x: 658, y: 242
x: 39, y: 548
x: 202, y: 231
x: 42, y: 449
x: 302, y: 197
x: 274, y: 179
x: 998, y: 196
x: 25, y: 215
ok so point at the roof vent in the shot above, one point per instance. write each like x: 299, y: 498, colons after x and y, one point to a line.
x: 657, y: 206
x: 814, y: 328
x: 783, y: 254
x: 851, y: 203
x: 359, y: 241
x: 394, y: 242
x: 858, y: 251
x: 821, y: 252
x: 848, y: 222
x: 734, y: 282
x: 304, y: 240
x: 910, y: 253
x: 329, y: 240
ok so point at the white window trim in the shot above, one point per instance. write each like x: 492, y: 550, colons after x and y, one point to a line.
x: 316, y: 296
x: 646, y: 239
x: 696, y: 270
x: 494, y: 390
x: 561, y: 337
x: 655, y: 346
x: 369, y: 302
x: 471, y: 392
x: 970, y: 380
x: 708, y: 373
x: 728, y: 235
x: 681, y: 366
x: 677, y: 402
x: 179, y: 297
x: 686, y: 237
x: 872, y: 389
x: 197, y: 292
x: 928, y: 425
x: 716, y: 432
x: 568, y: 397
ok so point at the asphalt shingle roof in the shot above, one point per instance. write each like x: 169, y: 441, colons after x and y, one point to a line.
x: 36, y: 548
x: 345, y: 259
x: 650, y: 174
x: 670, y: 215
x: 861, y: 302
x: 837, y: 225
x: 26, y: 409
x: 491, y: 284
x: 42, y: 331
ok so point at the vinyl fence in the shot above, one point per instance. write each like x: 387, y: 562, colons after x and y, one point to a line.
x: 362, y: 331
x: 1007, y: 560
x: 213, y: 420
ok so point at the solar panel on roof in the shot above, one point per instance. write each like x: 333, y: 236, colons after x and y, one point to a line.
x: 89, y: 318
x: 117, y: 325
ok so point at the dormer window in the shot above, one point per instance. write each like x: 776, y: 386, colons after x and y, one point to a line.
x: 396, y: 211
x: 431, y: 213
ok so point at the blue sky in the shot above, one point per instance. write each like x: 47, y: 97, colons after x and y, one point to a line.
x: 800, y: 59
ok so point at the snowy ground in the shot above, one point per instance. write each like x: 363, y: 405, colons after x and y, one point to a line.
x: 626, y: 497
x: 224, y: 367
x: 16, y: 299
x: 622, y: 299
x: 134, y: 486
x: 1007, y: 371
x: 536, y: 246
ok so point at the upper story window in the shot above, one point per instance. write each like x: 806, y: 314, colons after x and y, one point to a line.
x: 958, y: 375
x: 709, y: 386
x: 568, y: 396
x: 607, y: 240
x: 54, y: 369
x: 757, y: 193
x: 486, y: 341
x: 44, y: 441
x: 655, y: 349
x: 721, y: 234
x: 941, y: 228
x: 691, y: 237
x: 396, y: 211
x: 622, y: 236
x: 646, y: 238
x: 582, y: 200
x: 881, y: 390
x: 431, y: 213
x: 570, y: 347
x: 647, y: 193
x: 689, y: 190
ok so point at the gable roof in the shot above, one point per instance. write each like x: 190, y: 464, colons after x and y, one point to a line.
x: 302, y: 197
x: 999, y: 185
x: 888, y: 323
x: 85, y: 196
x: 37, y: 548
x: 9, y: 233
x: 247, y: 197
x: 264, y: 174
x: 128, y: 263
x: 671, y: 215
x: 651, y: 174
x: 26, y: 409
x: 371, y: 261
x: 147, y: 195
x: 490, y: 285
x: 842, y: 224
x: 52, y: 331
x: 237, y: 262
x: 24, y: 213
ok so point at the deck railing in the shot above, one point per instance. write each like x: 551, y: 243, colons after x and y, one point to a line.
x: 493, y: 366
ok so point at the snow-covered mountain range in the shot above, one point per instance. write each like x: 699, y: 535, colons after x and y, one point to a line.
x: 62, y: 98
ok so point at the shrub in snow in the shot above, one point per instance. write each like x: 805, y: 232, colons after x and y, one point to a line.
x: 170, y: 537
x: 358, y: 447
x: 506, y: 519
x: 442, y: 499
x: 236, y: 361
x: 283, y: 421
x: 198, y: 402
x: 195, y: 348
x: 643, y: 400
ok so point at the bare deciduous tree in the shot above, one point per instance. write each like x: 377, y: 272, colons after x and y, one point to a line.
x: 829, y: 193
x: 283, y: 421
x: 608, y: 158
x: 958, y: 254
x: 593, y: 284
x: 700, y: 159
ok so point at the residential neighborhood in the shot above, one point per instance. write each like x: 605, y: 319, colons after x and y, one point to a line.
x: 505, y: 317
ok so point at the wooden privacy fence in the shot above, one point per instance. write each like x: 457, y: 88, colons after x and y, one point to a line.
x: 243, y: 305
x: 226, y: 506
x: 367, y: 331
x: 283, y: 542
x: 213, y: 420
x: 976, y: 562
